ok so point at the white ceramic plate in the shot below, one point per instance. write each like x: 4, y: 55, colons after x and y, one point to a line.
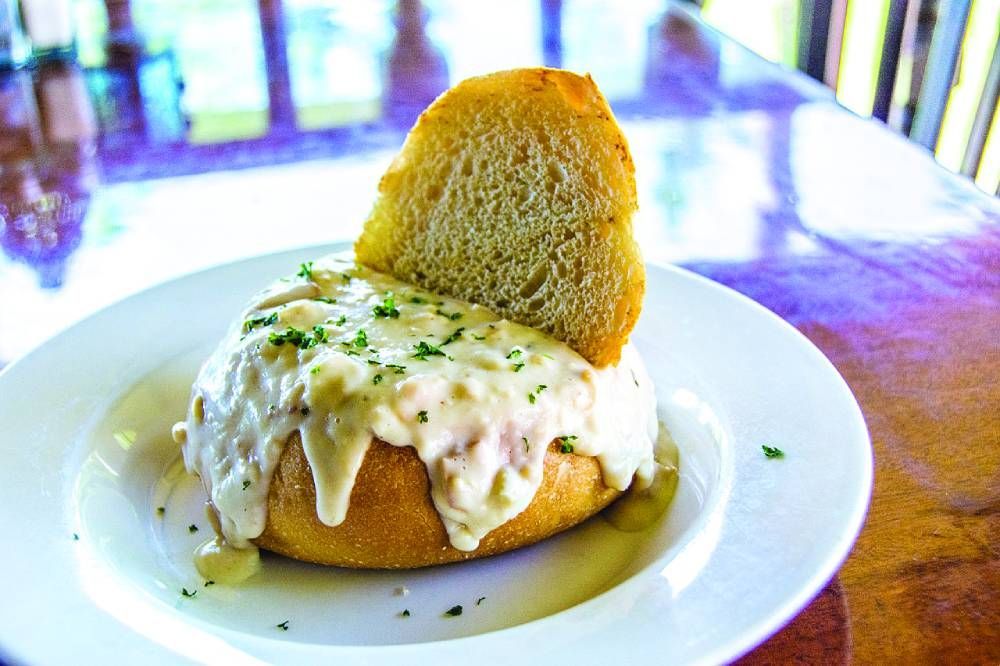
x: 92, y: 573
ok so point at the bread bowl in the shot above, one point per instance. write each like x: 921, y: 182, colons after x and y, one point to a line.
x: 405, y: 408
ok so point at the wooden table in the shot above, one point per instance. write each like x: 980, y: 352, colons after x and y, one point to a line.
x: 749, y: 174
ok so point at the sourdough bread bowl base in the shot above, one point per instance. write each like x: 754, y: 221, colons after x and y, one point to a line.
x: 391, y: 522
x: 680, y: 590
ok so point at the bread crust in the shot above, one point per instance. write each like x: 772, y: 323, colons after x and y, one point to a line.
x: 392, y: 523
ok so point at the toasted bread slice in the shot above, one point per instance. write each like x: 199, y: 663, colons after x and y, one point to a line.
x: 516, y: 191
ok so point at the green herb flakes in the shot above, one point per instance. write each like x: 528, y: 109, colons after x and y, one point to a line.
x: 454, y: 336
x: 422, y: 416
x: 454, y: 611
x: 387, y: 309
x: 192, y: 528
x: 306, y: 270
x: 250, y: 324
x: 298, y: 338
x: 424, y: 350
x: 376, y: 380
x: 361, y: 339
x: 565, y: 445
x: 772, y: 451
x: 282, y: 625
x: 188, y: 593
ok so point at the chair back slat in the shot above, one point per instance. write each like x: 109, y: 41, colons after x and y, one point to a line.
x: 814, y: 35
x: 946, y: 45
x: 835, y: 42
x: 984, y: 118
x: 889, y: 65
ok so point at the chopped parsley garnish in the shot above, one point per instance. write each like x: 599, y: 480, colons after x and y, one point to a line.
x: 315, y: 370
x: 564, y: 443
x: 424, y: 350
x: 192, y: 528
x: 377, y: 379
x: 298, y: 338
x: 527, y: 447
x: 257, y: 322
x: 422, y: 416
x: 246, y: 483
x: 160, y: 510
x: 186, y: 593
x: 306, y: 270
x: 325, y: 299
x: 453, y: 611
x: 531, y: 398
x: 398, y: 369
x: 517, y: 368
x: 454, y: 316
x: 514, y: 353
x: 417, y: 300
x: 405, y: 613
x: 772, y: 451
x: 291, y: 335
x: 346, y: 277
x: 454, y: 336
x: 282, y: 625
x: 540, y: 388
x: 374, y: 361
x: 479, y: 337
x: 480, y: 600
x: 76, y: 537
x: 209, y: 582
x: 387, y: 309
x: 361, y: 339
x: 342, y: 320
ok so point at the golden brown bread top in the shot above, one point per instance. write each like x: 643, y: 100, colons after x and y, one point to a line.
x: 516, y: 191
x: 391, y: 522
